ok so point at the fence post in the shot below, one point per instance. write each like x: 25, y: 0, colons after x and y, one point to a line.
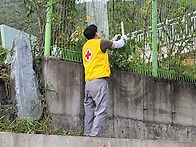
x: 154, y: 38
x: 48, y: 29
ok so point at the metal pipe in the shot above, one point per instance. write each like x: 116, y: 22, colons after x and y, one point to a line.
x: 48, y: 29
x: 154, y: 38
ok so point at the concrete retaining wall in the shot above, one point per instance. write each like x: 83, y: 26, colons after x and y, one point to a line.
x: 140, y: 107
x: 26, y: 140
x: 65, y: 94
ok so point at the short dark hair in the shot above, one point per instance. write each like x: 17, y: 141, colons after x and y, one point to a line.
x: 90, y: 31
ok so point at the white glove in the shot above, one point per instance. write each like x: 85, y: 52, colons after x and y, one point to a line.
x: 124, y: 37
x: 115, y: 37
x: 120, y: 43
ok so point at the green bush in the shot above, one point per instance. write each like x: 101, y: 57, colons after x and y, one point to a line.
x: 26, y: 125
x: 3, y: 55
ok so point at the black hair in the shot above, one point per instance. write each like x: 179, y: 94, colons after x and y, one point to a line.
x: 90, y: 31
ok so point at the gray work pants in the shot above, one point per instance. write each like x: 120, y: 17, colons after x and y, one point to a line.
x: 95, y: 105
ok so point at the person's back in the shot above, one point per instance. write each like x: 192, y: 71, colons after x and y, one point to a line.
x: 97, y: 71
x: 96, y: 63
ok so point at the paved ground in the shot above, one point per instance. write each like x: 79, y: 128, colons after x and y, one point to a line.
x: 27, y: 140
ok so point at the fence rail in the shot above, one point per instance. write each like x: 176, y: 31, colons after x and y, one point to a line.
x: 169, y: 28
x: 67, y: 39
x: 67, y: 54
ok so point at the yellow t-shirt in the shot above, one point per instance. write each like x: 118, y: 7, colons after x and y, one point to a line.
x: 96, y: 63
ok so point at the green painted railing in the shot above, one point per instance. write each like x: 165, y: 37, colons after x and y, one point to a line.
x: 76, y: 57
x: 67, y: 54
x: 64, y: 35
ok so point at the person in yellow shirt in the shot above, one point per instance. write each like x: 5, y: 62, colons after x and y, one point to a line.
x: 97, y: 71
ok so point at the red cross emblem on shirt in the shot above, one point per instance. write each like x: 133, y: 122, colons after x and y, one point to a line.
x: 88, y: 54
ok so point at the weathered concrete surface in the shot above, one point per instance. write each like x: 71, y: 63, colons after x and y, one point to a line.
x: 65, y: 84
x: 140, y: 107
x: 23, y: 82
x: 27, y: 140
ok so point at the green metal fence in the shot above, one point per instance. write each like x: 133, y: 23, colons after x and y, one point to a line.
x: 176, y: 34
x: 67, y: 54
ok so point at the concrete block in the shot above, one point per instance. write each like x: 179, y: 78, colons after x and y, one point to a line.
x: 6, y: 140
x: 185, y: 104
x: 140, y: 107
x: 109, y: 128
x: 70, y: 123
x: 29, y: 140
x: 166, y: 132
x: 128, y: 101
x: 66, y: 87
x: 94, y: 140
x: 157, y: 100
x: 158, y: 131
x: 32, y: 140
x: 125, y: 143
x: 136, y: 129
x: 191, y: 144
x: 137, y: 143
x: 115, y: 141
x: 110, y: 109
x: 103, y: 142
x: 74, y: 141
x: 121, y: 128
x: 191, y: 134
x: 153, y: 131
x: 153, y: 143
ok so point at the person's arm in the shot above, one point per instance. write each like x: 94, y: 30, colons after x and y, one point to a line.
x: 106, y: 44
x: 118, y: 44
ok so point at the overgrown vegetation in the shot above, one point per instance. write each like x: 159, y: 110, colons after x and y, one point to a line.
x: 26, y: 125
x: 3, y: 55
x: 69, y: 19
x: 176, y: 53
x: 4, y: 68
x: 136, y: 56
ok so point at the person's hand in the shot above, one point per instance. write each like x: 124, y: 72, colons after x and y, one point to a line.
x: 124, y: 37
x: 115, y: 37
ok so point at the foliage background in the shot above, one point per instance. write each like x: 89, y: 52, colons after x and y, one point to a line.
x: 13, y: 14
x: 69, y: 20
